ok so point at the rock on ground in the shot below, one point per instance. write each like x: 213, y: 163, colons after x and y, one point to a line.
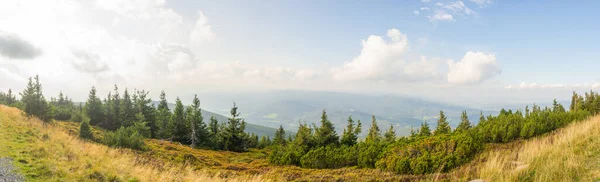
x: 7, y: 173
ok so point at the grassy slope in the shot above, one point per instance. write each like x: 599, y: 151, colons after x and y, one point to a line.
x: 53, y: 153
x: 568, y: 154
x: 50, y: 153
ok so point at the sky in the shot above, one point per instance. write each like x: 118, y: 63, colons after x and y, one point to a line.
x: 470, y: 52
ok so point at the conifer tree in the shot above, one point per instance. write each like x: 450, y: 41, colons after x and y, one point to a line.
x: 425, y: 131
x: 214, y: 134
x: 234, y: 136
x: 443, y: 127
x: 93, y: 108
x: 165, y: 126
x: 116, y: 107
x: 465, y: 124
x: 180, y: 131
x: 127, y: 114
x: 304, y: 137
x: 326, y: 135
x: 85, y: 131
x: 279, y: 139
x: 34, y: 102
x: 351, y: 132
x: 374, y: 132
x: 390, y: 135
x: 199, y: 132
x: 143, y: 105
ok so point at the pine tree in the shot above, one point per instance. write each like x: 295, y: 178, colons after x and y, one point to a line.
x: 85, y: 131
x: 34, y: 102
x: 127, y: 114
x: 93, y: 108
x: 234, y: 136
x: 199, y: 132
x: 351, y: 132
x: 465, y: 124
x: 390, y: 135
x: 165, y: 126
x: 279, y: 136
x: 304, y: 137
x: 214, y: 133
x: 116, y: 108
x: 144, y: 105
x: 374, y: 132
x: 326, y: 135
x: 425, y: 131
x: 443, y: 127
x: 181, y: 130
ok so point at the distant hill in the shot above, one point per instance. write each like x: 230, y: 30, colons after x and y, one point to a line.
x: 287, y: 108
x: 250, y: 128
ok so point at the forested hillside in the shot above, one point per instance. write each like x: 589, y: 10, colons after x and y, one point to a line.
x: 129, y: 120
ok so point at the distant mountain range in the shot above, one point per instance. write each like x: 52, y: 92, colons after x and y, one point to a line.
x: 288, y: 108
x: 250, y: 128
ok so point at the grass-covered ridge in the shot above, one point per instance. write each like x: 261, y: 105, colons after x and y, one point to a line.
x: 47, y: 152
x: 53, y: 152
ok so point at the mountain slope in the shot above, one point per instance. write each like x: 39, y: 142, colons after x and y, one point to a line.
x: 568, y: 154
x: 47, y: 152
x: 287, y: 108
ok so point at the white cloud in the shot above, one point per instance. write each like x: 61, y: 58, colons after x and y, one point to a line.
x: 425, y: 1
x: 377, y: 59
x: 533, y: 85
x: 475, y: 67
x: 459, y: 7
x: 483, y: 2
x: 202, y: 32
x: 439, y: 4
x: 416, y: 12
x: 424, y: 9
x: 381, y: 60
x: 441, y: 16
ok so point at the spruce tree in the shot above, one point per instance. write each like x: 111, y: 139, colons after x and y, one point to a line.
x: 199, y: 132
x: 34, y: 102
x: 116, y: 107
x: 127, y: 113
x: 390, y: 135
x: 93, y: 108
x: 234, y: 137
x: 465, y: 124
x: 180, y: 131
x: 304, y: 137
x: 443, y: 127
x: 85, y: 131
x: 279, y: 139
x: 214, y: 134
x: 325, y: 134
x: 144, y: 105
x: 165, y: 126
x: 425, y: 131
x: 374, y: 134
x: 351, y: 132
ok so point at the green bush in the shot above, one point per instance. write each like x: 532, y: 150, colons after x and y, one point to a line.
x: 125, y: 137
x: 85, y: 131
x: 331, y: 156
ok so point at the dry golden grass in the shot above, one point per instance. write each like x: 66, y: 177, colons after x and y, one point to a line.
x: 53, y: 152
x: 49, y: 153
x: 568, y: 154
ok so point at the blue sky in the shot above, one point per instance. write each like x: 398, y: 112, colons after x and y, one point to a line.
x: 480, y: 51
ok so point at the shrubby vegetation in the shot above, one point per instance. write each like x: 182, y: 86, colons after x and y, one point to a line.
x: 131, y: 118
x: 424, y: 151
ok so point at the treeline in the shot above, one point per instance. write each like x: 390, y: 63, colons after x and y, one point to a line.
x: 425, y: 150
x: 131, y: 117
